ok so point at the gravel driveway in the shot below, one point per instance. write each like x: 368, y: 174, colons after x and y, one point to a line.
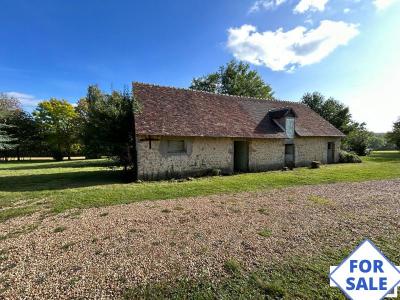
x: 97, y: 253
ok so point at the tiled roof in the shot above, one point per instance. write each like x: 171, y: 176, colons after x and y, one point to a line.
x: 168, y: 111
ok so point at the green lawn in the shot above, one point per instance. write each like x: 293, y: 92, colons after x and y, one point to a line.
x: 51, y: 186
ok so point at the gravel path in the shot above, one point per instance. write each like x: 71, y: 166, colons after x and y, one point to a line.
x: 96, y: 253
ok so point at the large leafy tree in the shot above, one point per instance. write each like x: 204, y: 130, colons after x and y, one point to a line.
x: 8, y: 106
x: 394, y: 135
x: 234, y: 78
x: 57, y: 120
x: 358, y: 138
x: 331, y: 110
x: 109, y: 127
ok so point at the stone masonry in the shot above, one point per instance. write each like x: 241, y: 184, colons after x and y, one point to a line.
x: 203, y: 154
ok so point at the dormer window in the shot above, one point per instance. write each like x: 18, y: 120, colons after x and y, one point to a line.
x: 284, y: 118
x: 289, y: 127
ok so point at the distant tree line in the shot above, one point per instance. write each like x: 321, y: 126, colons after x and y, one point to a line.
x: 358, y: 139
x: 99, y: 125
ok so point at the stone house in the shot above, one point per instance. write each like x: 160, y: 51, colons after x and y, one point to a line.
x: 182, y: 132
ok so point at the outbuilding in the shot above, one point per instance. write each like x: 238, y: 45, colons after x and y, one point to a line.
x: 182, y: 132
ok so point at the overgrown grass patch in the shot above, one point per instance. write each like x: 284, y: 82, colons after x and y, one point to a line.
x: 59, y: 229
x: 23, y: 230
x: 263, y: 211
x: 14, y: 212
x: 319, y: 200
x: 233, y: 267
x: 178, y: 208
x: 272, y: 290
x: 3, y: 255
x: 265, y: 232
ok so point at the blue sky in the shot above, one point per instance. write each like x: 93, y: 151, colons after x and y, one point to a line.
x: 348, y: 49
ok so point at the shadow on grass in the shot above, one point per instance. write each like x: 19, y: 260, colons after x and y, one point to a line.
x: 51, y: 164
x: 59, y: 181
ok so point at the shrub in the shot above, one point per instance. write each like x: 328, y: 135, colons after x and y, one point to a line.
x: 347, y: 157
x: 358, y: 141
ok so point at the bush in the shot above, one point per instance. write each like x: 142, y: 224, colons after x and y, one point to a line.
x: 358, y: 141
x: 347, y: 157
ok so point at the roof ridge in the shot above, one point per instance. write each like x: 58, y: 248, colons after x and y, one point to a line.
x: 211, y: 93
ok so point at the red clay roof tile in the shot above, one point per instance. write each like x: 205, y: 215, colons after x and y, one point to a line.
x: 168, y: 111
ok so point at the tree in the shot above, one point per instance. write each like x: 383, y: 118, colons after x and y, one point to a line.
x: 23, y: 128
x: 91, y: 147
x: 378, y: 142
x: 7, y: 142
x: 57, y: 121
x: 331, y: 110
x: 8, y: 105
x: 235, y: 78
x: 394, y: 135
x: 358, y: 140
x: 109, y: 127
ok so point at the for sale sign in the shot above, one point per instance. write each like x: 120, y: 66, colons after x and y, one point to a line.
x: 366, y: 274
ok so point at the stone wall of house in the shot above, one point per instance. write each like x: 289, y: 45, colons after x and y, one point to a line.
x: 202, y: 154
x: 266, y: 154
x: 308, y: 149
x: 269, y: 154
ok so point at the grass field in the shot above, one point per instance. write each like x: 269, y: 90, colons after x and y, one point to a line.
x: 53, y: 187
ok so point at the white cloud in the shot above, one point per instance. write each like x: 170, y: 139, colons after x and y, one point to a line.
x: 265, y: 4
x: 346, y: 10
x: 284, y: 51
x: 382, y: 4
x: 25, y: 99
x: 305, y: 5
